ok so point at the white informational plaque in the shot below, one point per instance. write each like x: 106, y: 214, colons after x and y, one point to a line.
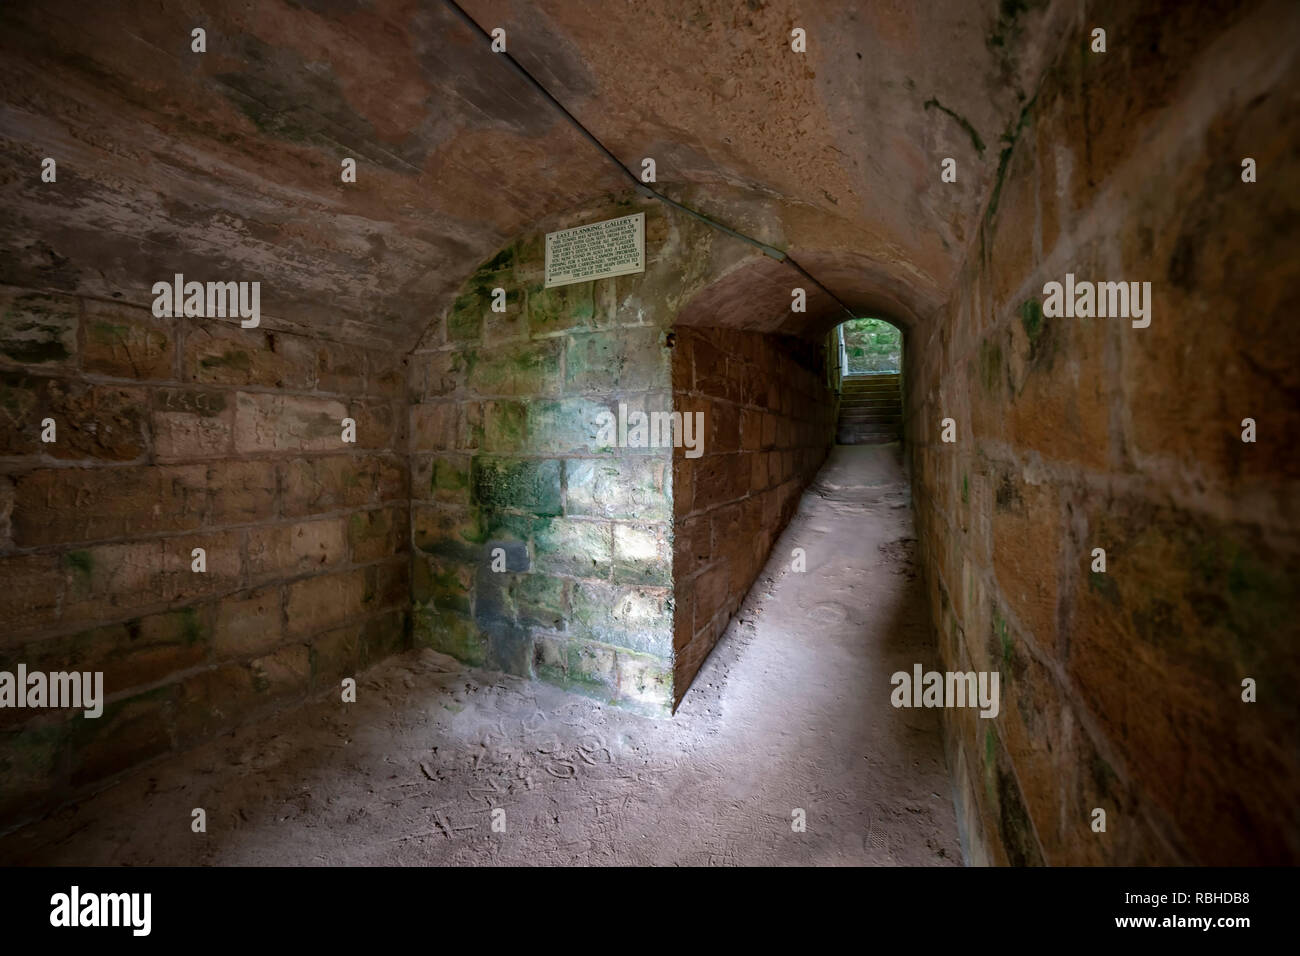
x: 615, y: 247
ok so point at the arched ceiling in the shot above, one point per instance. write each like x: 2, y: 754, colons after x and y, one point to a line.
x: 225, y: 165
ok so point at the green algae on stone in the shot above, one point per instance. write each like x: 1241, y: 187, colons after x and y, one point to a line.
x: 451, y: 634
x: 591, y: 664
x: 239, y: 361
x: 80, y: 561
x: 442, y: 586
x: 191, y: 627
x: 990, y: 363
x: 1009, y: 139
x: 531, y: 485
x: 37, y: 329
x: 505, y: 427
x: 965, y: 124
x: 1031, y: 317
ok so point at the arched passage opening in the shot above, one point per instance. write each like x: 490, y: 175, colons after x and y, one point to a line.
x: 871, y: 347
x: 869, y: 356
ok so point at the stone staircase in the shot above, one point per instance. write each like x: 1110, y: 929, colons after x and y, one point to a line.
x: 871, y: 409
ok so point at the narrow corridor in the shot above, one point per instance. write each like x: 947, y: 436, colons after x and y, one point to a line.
x: 790, y: 712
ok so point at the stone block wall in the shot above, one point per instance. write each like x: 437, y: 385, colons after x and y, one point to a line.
x: 510, y: 462
x: 769, y: 422
x: 1122, y: 690
x: 601, y: 547
x: 171, y: 435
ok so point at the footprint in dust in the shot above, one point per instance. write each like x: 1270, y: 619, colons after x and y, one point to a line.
x: 590, y: 746
x: 550, y: 744
x: 829, y: 613
x: 876, y: 840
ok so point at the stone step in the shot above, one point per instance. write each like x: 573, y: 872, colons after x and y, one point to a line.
x: 865, y: 438
x: 869, y: 423
x: 879, y: 405
x: 883, y: 408
x: 871, y: 413
x: 871, y: 410
x: 870, y: 426
x: 871, y: 418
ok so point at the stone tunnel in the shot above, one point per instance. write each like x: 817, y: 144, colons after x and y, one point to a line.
x: 401, y: 513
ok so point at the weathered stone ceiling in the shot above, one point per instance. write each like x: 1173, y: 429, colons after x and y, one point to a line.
x: 225, y: 165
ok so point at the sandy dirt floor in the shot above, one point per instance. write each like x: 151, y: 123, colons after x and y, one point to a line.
x: 790, y: 711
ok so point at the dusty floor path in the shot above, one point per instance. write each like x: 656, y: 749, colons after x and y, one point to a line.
x: 790, y: 711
